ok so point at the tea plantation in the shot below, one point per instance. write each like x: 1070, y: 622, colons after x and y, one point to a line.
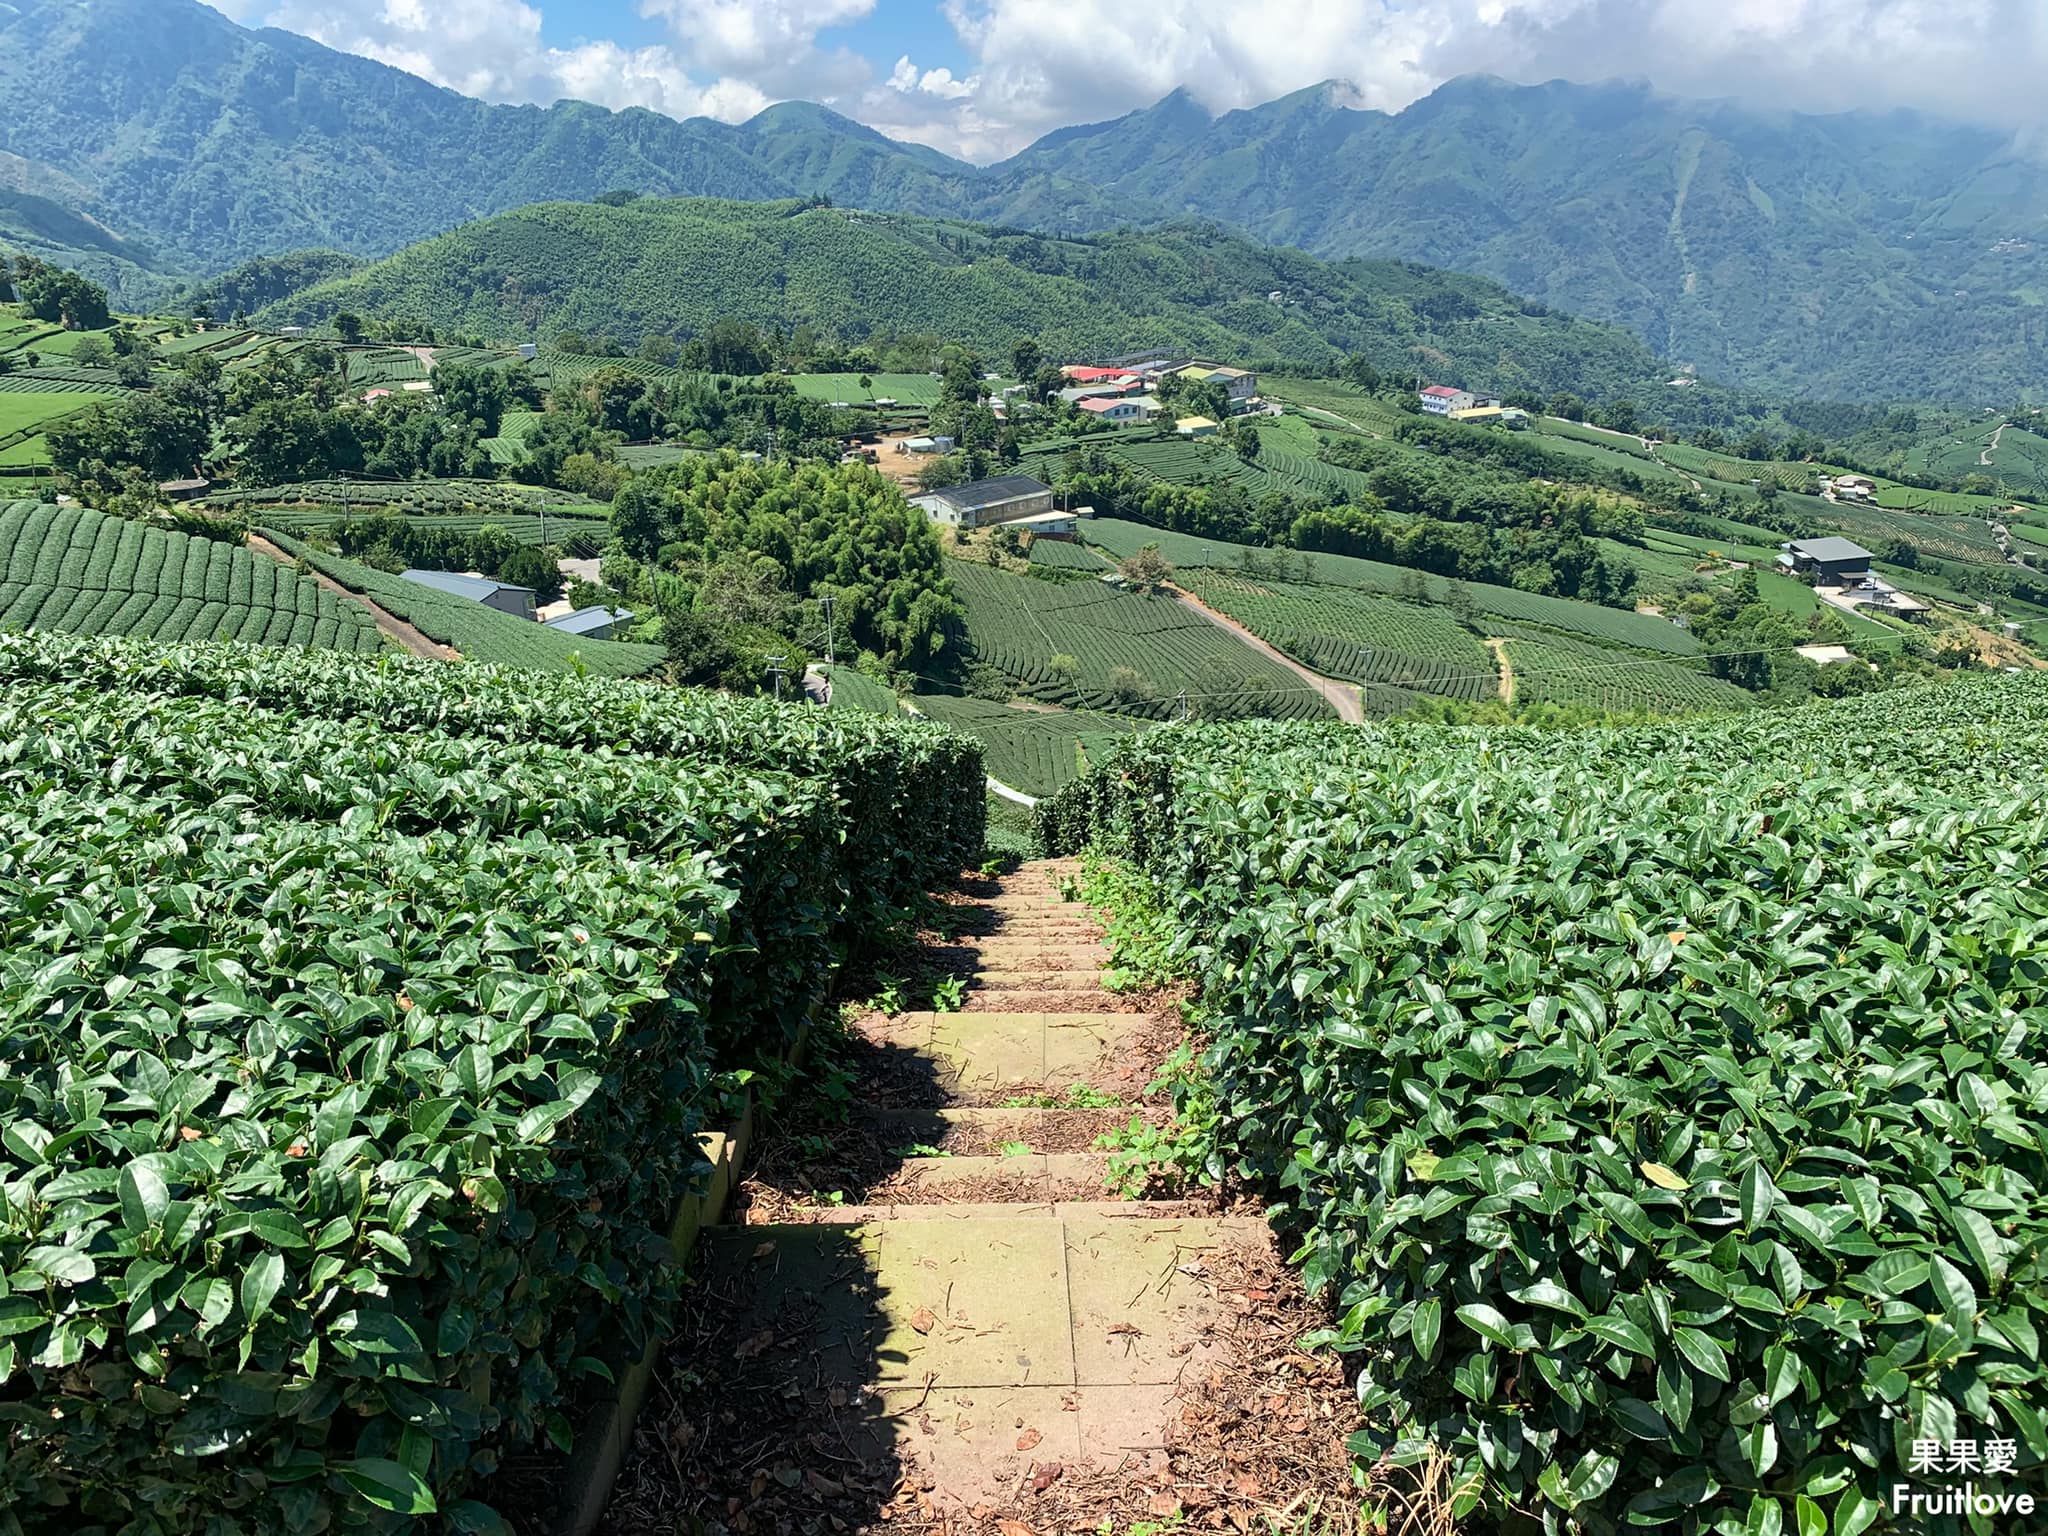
x: 1664, y: 1109
x: 356, y: 1019
x: 79, y: 572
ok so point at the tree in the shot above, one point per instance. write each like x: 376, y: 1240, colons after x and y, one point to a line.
x: 348, y: 326
x: 92, y: 352
x: 527, y: 566
x: 1026, y: 356
x: 658, y: 349
x: 1360, y: 372
x: 481, y: 395
x: 1146, y: 569
x: 58, y: 297
x: 1246, y: 442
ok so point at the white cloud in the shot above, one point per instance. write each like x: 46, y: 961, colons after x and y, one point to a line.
x: 1034, y: 65
x: 728, y: 60
x: 1039, y: 66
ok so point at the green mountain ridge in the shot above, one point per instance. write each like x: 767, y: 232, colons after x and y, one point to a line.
x: 677, y: 265
x: 1855, y: 256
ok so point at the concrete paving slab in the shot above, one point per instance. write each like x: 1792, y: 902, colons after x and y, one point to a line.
x: 1142, y: 1311
x: 978, y: 1055
x: 974, y: 1302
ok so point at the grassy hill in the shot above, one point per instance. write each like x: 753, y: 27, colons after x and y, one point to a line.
x: 677, y: 265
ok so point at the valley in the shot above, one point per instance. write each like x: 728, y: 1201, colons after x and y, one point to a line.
x: 1296, y: 820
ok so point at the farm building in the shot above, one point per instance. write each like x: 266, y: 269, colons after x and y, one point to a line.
x: 182, y: 490
x: 501, y: 595
x: 1442, y: 400
x: 1113, y: 408
x: 925, y: 445
x: 1853, y: 488
x: 1195, y: 426
x: 1239, y: 384
x: 1828, y: 562
x: 1082, y: 374
x: 1048, y: 525
x: 592, y: 623
x: 1004, y: 499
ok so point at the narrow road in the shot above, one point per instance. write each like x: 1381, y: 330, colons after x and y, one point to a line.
x: 943, y: 1310
x: 1341, y: 697
x: 1507, y: 669
x: 1984, y: 458
x: 388, y: 623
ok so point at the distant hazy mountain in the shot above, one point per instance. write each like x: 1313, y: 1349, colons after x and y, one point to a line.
x: 1856, y: 256
x: 678, y: 264
x: 206, y: 143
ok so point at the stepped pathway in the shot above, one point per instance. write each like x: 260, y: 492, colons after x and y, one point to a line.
x: 972, y: 1331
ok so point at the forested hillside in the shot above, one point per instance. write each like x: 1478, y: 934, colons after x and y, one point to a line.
x: 679, y: 265
x: 1856, y: 256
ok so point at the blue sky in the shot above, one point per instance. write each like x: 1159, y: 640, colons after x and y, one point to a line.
x: 982, y: 78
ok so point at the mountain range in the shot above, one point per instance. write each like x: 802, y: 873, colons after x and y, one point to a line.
x: 1855, y: 256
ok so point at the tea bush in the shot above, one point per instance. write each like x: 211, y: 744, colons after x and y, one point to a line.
x: 1667, y: 1108
x: 909, y: 795
x: 349, y: 1076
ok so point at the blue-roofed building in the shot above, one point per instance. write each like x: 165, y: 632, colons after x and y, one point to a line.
x: 501, y: 595
x: 592, y: 623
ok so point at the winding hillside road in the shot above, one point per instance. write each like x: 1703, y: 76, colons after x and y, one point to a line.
x: 1341, y: 697
x: 1507, y: 669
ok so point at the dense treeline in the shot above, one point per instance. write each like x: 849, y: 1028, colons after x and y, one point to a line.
x: 753, y: 564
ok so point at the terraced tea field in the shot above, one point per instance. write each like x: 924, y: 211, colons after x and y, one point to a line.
x: 1357, y: 636
x: 1552, y: 669
x: 1131, y: 653
x: 1060, y: 555
x: 1613, y: 626
x: 80, y: 572
x: 1037, y: 751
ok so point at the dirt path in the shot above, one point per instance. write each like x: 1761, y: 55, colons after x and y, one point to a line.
x: 389, y: 623
x: 1507, y: 669
x: 928, y: 1313
x: 1984, y: 458
x: 1341, y: 697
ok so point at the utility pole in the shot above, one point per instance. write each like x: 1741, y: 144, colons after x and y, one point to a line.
x: 828, y: 603
x: 775, y: 671
x: 1183, y: 704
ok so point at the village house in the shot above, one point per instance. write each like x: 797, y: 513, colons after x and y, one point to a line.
x: 1240, y: 385
x: 983, y: 503
x: 1114, y: 408
x: 1853, y: 488
x: 1195, y: 426
x: 1441, y: 400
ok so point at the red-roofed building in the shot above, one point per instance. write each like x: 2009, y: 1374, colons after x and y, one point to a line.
x: 1085, y: 375
x: 1441, y: 400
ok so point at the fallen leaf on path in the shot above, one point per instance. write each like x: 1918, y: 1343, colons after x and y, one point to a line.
x: 1028, y: 1439
x: 1046, y: 1476
x: 1167, y: 1503
x: 1014, y: 1528
x: 762, y: 1250
x: 924, y: 1320
x: 753, y: 1344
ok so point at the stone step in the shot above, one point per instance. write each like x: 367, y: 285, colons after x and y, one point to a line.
x: 1051, y: 999
x: 983, y: 1129
x: 1034, y: 1177
x: 994, y: 981
x: 988, y: 1056
x: 1024, y: 953
x: 869, y: 1213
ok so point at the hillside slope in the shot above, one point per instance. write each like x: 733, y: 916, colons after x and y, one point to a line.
x: 1850, y: 256
x: 677, y: 265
